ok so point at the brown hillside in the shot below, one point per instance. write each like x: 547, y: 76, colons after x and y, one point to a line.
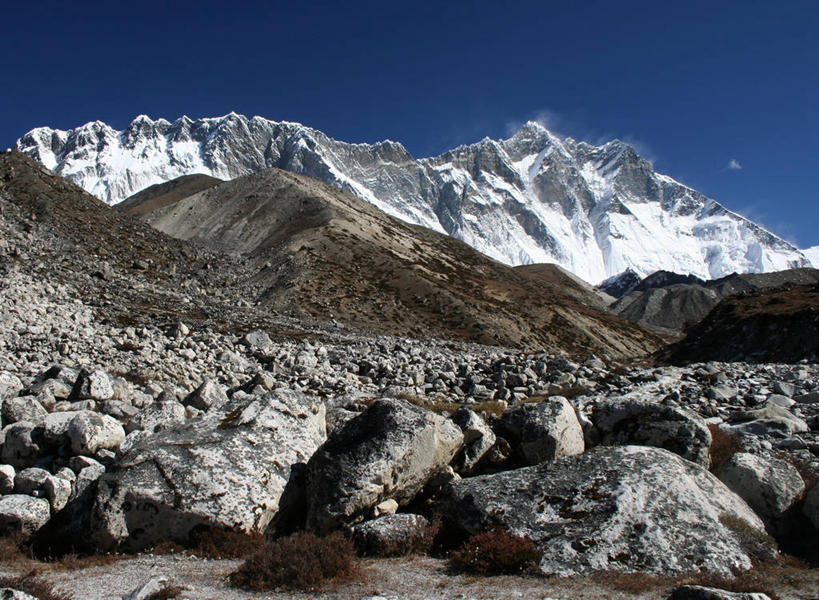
x: 322, y: 253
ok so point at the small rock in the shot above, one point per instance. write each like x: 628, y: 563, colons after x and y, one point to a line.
x: 697, y: 592
x: 23, y: 514
x: 478, y: 439
x: 257, y: 340
x: 58, y: 492
x: 393, y: 535
x: 21, y: 445
x: 7, y: 474
x: 29, y: 480
x: 147, y: 589
x: 208, y: 395
x: 387, y: 507
x: 93, y: 385
x: 90, y: 432
x: 10, y: 385
x: 23, y: 408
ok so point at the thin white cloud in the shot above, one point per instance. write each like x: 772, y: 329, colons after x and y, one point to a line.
x: 733, y: 165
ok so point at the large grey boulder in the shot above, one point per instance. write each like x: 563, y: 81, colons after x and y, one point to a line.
x: 478, y: 439
x: 389, y: 451
x: 226, y: 469
x: 769, y: 485
x: 90, y: 432
x: 628, y: 508
x: 23, y: 514
x: 543, y: 431
x: 635, y: 422
x: 767, y: 419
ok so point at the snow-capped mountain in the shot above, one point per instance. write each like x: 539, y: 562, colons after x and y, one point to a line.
x: 535, y: 197
x: 812, y: 254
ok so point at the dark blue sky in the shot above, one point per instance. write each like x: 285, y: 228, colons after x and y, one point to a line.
x: 694, y: 85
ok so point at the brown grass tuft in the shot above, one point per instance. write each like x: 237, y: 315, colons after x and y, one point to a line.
x: 497, y: 552
x: 302, y: 561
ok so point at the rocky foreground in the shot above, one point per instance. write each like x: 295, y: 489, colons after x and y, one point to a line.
x: 119, y: 439
x: 148, y: 399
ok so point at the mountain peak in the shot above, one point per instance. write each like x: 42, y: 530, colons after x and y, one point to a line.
x: 532, y: 198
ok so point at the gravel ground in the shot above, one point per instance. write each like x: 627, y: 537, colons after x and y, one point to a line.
x: 388, y: 579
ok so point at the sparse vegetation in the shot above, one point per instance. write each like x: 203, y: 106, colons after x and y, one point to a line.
x: 764, y: 578
x: 497, y: 552
x: 758, y: 544
x: 302, y: 561
x: 488, y: 408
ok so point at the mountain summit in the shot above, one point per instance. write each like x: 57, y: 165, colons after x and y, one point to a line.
x: 532, y: 198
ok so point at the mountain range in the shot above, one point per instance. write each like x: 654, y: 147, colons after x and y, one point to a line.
x: 532, y: 198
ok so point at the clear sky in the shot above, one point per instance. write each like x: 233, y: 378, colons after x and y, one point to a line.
x: 723, y: 96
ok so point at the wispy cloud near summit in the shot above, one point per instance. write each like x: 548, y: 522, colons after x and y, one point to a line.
x: 733, y: 165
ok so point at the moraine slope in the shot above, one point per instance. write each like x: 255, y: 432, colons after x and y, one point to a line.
x: 322, y: 253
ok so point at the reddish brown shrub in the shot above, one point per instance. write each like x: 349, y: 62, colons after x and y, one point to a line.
x: 302, y: 561
x: 495, y: 553
x: 224, y: 543
x: 723, y: 447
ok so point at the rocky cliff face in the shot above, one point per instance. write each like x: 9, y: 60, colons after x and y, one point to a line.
x: 532, y: 198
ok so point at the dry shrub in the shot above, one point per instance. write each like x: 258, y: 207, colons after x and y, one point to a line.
x: 166, y: 592
x: 14, y: 550
x: 766, y: 577
x: 166, y: 547
x: 74, y: 562
x: 437, y: 404
x: 496, y: 552
x: 224, y: 543
x: 489, y: 409
x: 32, y: 585
x: 723, y: 447
x: 302, y: 561
x: 631, y: 583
